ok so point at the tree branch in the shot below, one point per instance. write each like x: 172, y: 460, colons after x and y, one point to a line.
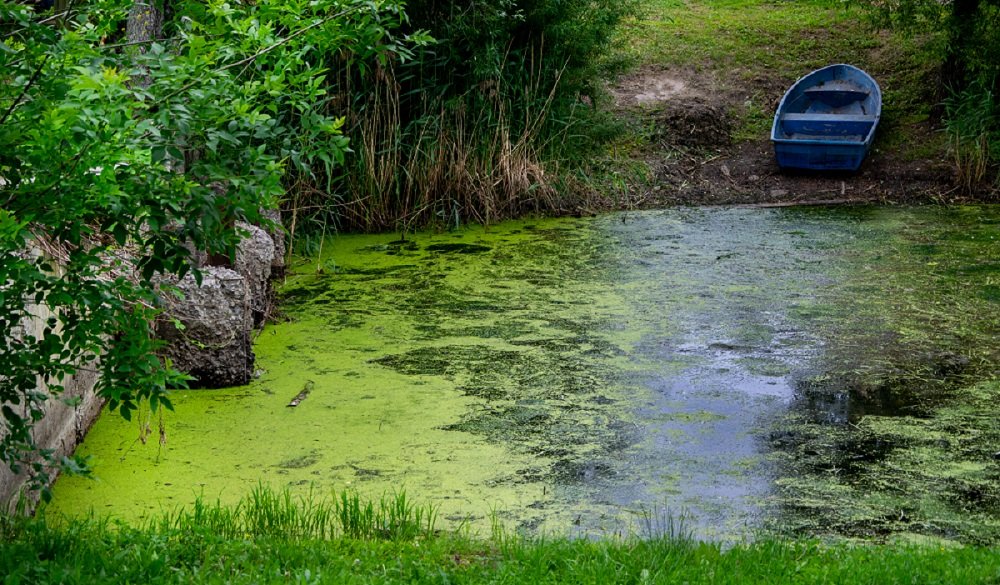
x: 27, y: 86
x: 286, y: 40
x: 263, y: 51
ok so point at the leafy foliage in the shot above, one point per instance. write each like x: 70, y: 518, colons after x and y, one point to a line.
x: 118, y: 158
x: 484, y: 41
x: 970, y: 31
x: 970, y: 27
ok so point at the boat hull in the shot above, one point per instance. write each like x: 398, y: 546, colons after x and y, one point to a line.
x: 823, y: 156
x: 827, y: 120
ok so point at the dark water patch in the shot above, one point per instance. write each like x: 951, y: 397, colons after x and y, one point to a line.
x: 437, y: 330
x: 301, y: 461
x: 392, y: 248
x: 366, y: 473
x: 515, y: 422
x: 885, y: 475
x: 917, y: 384
x: 449, y: 360
x: 376, y: 272
x: 841, y: 400
x: 503, y: 329
x: 301, y: 293
x: 572, y: 472
x: 581, y: 345
x: 726, y: 346
x: 847, y: 455
x: 458, y: 248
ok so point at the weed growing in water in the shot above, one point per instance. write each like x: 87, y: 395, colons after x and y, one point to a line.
x: 265, y: 512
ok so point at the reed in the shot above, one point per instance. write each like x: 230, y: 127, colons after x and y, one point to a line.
x: 974, y: 135
x: 483, y: 156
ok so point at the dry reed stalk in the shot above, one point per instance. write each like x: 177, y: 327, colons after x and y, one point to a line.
x: 971, y: 161
x: 460, y: 163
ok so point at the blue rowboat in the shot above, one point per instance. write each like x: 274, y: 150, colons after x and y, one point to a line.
x: 827, y: 120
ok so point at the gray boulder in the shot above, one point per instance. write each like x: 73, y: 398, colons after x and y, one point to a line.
x: 212, y: 343
x: 277, y: 234
x: 253, y: 262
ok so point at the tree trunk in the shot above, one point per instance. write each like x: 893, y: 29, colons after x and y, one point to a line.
x: 961, y: 33
x: 145, y: 25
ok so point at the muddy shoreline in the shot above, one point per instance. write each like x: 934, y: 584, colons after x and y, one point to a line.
x: 698, y: 153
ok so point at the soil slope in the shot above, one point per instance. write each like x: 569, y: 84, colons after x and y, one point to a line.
x: 696, y: 160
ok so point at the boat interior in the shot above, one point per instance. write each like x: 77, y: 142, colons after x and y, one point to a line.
x: 829, y: 109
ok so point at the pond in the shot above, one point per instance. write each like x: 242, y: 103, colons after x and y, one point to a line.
x: 820, y: 371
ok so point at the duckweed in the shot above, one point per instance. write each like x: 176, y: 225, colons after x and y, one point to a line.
x: 816, y: 371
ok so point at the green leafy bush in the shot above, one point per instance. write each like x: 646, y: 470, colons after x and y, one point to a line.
x: 968, y: 35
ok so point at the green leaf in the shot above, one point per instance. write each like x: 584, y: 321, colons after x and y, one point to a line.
x: 120, y: 233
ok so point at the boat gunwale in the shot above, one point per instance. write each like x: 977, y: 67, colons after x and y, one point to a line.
x: 877, y: 95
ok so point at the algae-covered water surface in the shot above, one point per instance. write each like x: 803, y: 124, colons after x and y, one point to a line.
x: 820, y: 371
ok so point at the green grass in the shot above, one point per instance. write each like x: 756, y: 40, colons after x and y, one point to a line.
x: 752, y: 50
x: 748, y: 37
x: 273, y: 538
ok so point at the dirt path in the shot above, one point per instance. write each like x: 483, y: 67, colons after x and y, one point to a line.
x: 696, y: 161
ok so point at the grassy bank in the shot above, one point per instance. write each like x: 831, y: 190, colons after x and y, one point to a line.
x: 270, y: 538
x: 756, y: 48
x: 707, y: 76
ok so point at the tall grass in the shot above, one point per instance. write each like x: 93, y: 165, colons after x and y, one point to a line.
x: 273, y: 537
x: 481, y: 156
x: 476, y: 126
x: 278, y: 514
x: 973, y: 126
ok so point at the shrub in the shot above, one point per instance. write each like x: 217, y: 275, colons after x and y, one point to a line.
x: 971, y: 120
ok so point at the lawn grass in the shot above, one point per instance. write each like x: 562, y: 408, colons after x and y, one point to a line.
x: 752, y: 50
x: 214, y: 544
x: 747, y: 37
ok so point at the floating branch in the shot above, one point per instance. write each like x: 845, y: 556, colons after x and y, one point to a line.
x: 302, y: 395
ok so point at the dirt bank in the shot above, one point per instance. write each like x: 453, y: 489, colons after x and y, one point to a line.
x: 697, y: 158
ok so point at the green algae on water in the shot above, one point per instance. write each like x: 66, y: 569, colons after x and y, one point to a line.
x: 897, y: 433
x: 414, y: 353
x: 816, y: 371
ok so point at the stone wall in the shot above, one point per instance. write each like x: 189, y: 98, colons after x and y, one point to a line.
x: 214, y: 344
x: 62, y: 429
x: 63, y: 426
x: 218, y: 315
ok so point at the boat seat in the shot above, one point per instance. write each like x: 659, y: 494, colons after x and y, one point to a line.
x: 828, y: 117
x: 837, y: 93
x: 826, y: 124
